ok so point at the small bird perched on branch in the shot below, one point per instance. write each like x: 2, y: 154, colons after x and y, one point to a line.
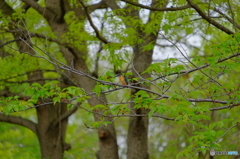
x: 122, y: 78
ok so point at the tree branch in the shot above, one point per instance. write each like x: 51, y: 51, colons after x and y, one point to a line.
x: 70, y: 69
x: 99, y: 36
x: 11, y: 41
x: 157, y: 9
x: 5, y: 8
x: 191, y: 61
x: 225, y: 107
x: 19, y: 121
x: 41, y: 10
x: 93, y: 7
x: 112, y: 90
x: 126, y: 115
x: 199, y: 68
x: 66, y: 115
x: 35, y: 5
x: 227, y: 17
x: 211, y: 21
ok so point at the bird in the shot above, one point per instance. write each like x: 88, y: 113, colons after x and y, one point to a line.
x: 122, y: 78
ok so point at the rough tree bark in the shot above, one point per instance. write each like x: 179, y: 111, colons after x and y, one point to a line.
x: 51, y: 136
x: 137, y: 140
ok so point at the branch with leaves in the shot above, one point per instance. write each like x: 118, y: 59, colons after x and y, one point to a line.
x: 207, y: 18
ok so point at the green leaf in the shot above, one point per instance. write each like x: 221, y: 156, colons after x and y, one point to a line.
x: 97, y: 89
x: 56, y: 100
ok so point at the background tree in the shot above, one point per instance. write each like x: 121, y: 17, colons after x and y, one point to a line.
x: 181, y: 58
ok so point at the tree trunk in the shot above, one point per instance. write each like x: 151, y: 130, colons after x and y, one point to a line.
x: 51, y: 136
x: 137, y: 140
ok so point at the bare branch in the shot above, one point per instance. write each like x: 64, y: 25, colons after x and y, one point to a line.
x: 19, y: 121
x: 127, y: 115
x: 35, y: 5
x: 233, y: 19
x: 157, y: 9
x: 191, y: 61
x: 99, y: 36
x: 93, y: 7
x: 66, y: 115
x: 198, y: 68
x: 227, y: 17
x: 11, y: 41
x: 41, y: 10
x: 45, y: 37
x: 211, y: 21
x: 226, y: 132
x: 225, y: 107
